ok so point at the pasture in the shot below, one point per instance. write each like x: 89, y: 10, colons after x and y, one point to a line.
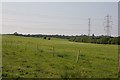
x: 29, y: 57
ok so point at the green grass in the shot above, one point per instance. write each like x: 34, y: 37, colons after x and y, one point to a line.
x: 0, y: 56
x: 33, y: 57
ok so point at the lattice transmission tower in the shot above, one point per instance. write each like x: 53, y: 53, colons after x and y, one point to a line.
x: 89, y: 26
x: 108, y: 25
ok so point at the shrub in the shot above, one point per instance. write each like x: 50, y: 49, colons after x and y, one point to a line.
x: 44, y: 37
x: 49, y: 38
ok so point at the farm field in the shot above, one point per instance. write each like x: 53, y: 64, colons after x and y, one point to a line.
x: 29, y: 57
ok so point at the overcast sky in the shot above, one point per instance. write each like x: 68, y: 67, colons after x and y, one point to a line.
x: 68, y: 18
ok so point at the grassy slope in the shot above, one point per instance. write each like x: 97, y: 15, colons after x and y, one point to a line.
x: 32, y: 57
x: 0, y: 55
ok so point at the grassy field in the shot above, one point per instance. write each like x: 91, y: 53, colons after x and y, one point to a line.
x: 33, y: 57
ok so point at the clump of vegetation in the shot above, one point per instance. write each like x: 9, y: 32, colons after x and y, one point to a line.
x: 62, y: 55
x: 77, y: 74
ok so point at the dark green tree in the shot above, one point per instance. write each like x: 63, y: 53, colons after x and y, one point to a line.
x: 16, y: 33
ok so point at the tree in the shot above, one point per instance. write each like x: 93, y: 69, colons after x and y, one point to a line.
x: 16, y: 33
x: 119, y: 40
x: 114, y: 40
x: 104, y: 40
x: 28, y: 35
x: 93, y: 36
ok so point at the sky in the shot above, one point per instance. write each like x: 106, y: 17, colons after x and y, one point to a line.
x: 68, y: 18
x: 59, y: 0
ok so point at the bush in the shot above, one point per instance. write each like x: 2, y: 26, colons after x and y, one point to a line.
x: 49, y: 38
x: 44, y: 37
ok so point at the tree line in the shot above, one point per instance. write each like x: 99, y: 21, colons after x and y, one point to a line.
x: 96, y: 39
x: 79, y: 38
